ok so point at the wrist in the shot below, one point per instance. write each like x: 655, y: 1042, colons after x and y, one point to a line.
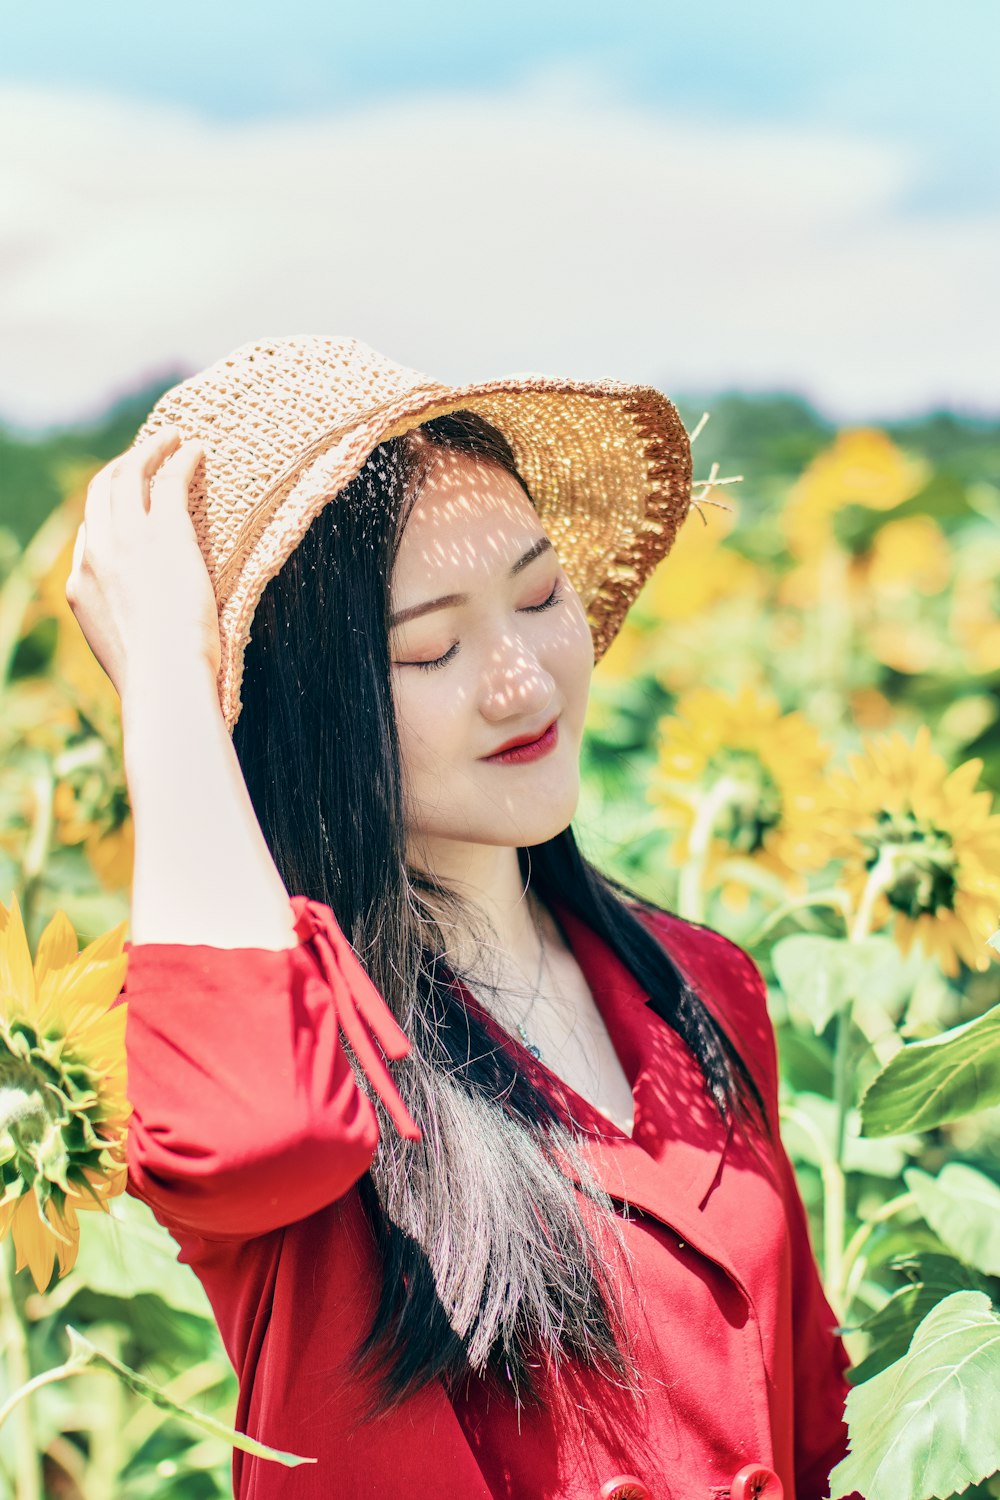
x: 158, y: 687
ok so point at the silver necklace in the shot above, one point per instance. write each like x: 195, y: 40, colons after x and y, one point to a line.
x: 530, y: 1046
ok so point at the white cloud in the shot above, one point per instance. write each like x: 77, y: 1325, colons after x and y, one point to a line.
x: 472, y: 235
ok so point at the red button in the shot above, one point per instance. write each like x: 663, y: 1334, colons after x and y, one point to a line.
x: 754, y: 1482
x: 625, y: 1487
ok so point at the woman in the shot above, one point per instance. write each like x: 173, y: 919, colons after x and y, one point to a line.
x: 556, y: 1248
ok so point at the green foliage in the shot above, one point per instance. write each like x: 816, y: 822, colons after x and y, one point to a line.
x: 962, y: 1206
x: 84, y: 1354
x: 125, y: 1253
x: 936, y: 1081
x: 930, y: 1278
x: 33, y: 466
x: 926, y: 1425
x: 822, y: 975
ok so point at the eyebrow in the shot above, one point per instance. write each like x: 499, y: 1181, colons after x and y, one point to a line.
x: 447, y: 600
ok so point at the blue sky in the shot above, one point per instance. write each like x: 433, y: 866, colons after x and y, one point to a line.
x: 797, y: 195
x: 924, y: 73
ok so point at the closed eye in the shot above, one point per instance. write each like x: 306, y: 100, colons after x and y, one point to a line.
x: 439, y: 661
x: 554, y: 598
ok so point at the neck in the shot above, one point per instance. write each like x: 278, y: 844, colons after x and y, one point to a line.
x: 489, y: 878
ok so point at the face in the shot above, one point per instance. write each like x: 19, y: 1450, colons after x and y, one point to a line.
x: 493, y: 645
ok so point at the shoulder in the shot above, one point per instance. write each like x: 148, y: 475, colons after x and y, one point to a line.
x: 730, y: 983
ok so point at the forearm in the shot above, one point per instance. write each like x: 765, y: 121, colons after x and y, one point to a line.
x: 203, y: 872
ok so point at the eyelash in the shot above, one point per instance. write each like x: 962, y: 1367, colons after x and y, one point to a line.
x: 530, y: 609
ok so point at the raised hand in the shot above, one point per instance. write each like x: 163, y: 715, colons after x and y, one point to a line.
x: 139, y: 585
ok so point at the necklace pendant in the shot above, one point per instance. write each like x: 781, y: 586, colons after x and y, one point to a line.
x: 536, y: 1052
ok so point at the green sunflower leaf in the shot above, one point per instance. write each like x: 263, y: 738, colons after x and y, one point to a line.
x: 931, y: 1278
x: 926, y: 1426
x: 84, y: 1353
x: 822, y: 975
x: 962, y: 1206
x: 125, y: 1253
x: 931, y: 1082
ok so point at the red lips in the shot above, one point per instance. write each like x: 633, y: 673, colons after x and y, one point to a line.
x: 521, y: 739
x: 522, y: 749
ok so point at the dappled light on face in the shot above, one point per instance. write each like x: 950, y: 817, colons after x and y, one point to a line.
x: 489, y: 644
x: 466, y: 527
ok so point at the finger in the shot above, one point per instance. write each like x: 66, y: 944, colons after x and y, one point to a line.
x: 74, y: 569
x: 107, y: 481
x: 170, y: 493
x: 132, y: 471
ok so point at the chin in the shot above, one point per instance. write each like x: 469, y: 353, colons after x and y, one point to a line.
x: 538, y: 830
x: 524, y: 833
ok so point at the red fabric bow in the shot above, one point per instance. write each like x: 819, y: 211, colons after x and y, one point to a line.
x: 358, y: 1005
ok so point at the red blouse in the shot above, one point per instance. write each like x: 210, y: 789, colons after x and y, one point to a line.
x: 249, y: 1135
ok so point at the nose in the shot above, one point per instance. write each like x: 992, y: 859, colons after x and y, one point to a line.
x: 514, y: 682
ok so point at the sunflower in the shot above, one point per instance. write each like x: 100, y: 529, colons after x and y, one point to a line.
x: 90, y: 807
x: 63, y: 1106
x: 626, y: 658
x: 870, y: 709
x: 863, y: 467
x: 910, y: 554
x: 761, y: 768
x: 936, y: 838
x: 975, y: 619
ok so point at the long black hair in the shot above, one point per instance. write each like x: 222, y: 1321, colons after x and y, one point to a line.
x: 492, y: 1259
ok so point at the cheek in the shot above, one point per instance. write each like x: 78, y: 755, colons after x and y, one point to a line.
x: 572, y: 653
x: 423, y: 718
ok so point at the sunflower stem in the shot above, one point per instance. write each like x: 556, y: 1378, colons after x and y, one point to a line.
x: 836, y: 896
x: 836, y: 1264
x: 855, y: 1259
x: 691, y: 885
x: 879, y: 876
x: 14, y: 1343
x: 834, y: 1178
x: 73, y: 1366
x: 106, y: 1448
x: 36, y: 851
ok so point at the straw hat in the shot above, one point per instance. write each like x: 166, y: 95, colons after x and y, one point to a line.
x: 287, y: 422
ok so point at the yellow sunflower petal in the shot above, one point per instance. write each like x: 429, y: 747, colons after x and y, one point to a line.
x: 34, y: 1242
x: 17, y: 977
x: 89, y: 984
x: 57, y: 946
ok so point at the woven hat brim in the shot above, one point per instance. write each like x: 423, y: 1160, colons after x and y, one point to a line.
x: 608, y: 465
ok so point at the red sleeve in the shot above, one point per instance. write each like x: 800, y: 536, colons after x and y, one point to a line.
x: 246, y: 1112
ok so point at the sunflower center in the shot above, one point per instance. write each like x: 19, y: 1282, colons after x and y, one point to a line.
x: 922, y: 859
x: 752, y: 806
x: 24, y: 1108
x: 47, y: 1138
